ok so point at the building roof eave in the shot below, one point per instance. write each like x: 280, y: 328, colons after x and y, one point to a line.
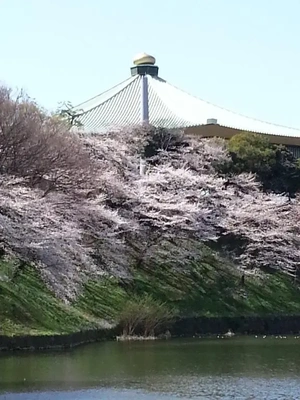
x: 225, y: 132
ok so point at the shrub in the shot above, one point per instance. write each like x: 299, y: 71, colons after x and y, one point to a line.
x: 145, y: 315
x: 275, y: 166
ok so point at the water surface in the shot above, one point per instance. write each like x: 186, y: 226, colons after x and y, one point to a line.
x: 237, y: 368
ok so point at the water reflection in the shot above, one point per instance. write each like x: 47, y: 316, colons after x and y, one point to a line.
x: 208, y: 369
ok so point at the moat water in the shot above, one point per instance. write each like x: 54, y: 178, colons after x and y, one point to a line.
x: 242, y: 368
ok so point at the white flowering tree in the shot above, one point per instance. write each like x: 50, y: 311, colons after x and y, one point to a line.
x: 100, y: 215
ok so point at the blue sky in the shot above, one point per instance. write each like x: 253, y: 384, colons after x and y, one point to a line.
x: 242, y: 55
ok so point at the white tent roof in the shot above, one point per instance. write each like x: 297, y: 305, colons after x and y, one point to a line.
x: 169, y: 107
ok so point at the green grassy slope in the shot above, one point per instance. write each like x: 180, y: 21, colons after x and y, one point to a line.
x: 210, y: 288
x: 28, y: 307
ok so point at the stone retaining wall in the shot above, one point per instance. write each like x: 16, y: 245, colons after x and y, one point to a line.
x: 268, y: 325
x: 43, y: 342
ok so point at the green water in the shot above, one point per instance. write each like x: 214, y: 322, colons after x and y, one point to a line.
x: 236, y: 368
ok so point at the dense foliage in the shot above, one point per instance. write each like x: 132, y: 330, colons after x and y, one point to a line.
x: 275, y: 166
x: 81, y: 207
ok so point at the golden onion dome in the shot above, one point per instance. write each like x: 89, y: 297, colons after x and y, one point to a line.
x: 143, y: 58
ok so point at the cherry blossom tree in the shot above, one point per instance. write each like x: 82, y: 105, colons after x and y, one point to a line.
x: 102, y: 216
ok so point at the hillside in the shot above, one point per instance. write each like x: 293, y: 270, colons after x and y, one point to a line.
x: 90, y: 225
x: 210, y: 288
